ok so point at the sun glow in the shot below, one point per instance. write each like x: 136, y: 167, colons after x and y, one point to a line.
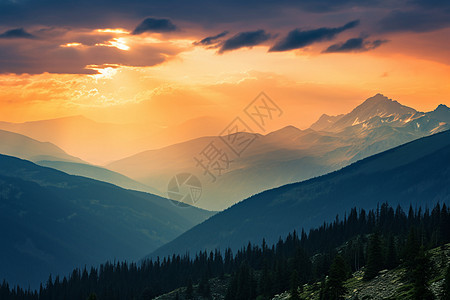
x: 72, y: 45
x: 108, y: 72
x: 104, y: 72
x: 158, y: 88
x: 117, y: 30
x: 119, y: 43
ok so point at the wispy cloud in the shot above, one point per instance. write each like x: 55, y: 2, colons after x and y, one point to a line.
x: 155, y: 25
x: 245, y: 39
x: 359, y: 44
x: 17, y: 33
x: 72, y: 51
x: 298, y: 38
x: 211, y: 40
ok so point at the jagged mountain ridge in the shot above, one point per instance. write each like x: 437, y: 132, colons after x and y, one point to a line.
x: 290, y: 154
x: 379, y: 107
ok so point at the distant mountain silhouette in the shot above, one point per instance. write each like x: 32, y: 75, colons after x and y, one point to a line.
x: 49, y: 155
x: 98, y: 173
x: 51, y: 222
x: 27, y: 148
x: 289, y: 154
x: 416, y: 173
x: 100, y: 143
x: 91, y: 141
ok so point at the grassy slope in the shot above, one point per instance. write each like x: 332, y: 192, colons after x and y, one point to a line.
x: 388, y: 285
x: 391, y: 284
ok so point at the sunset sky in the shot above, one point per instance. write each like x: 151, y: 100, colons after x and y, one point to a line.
x: 165, y: 62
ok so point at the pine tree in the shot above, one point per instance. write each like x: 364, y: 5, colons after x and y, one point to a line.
x: 189, y: 289
x: 335, y: 284
x: 391, y: 255
x: 204, y: 288
x: 265, y: 282
x: 374, y: 257
x: 411, y: 248
x: 273, y: 264
x: 294, y: 285
x: 421, y: 273
x: 92, y: 296
x: 232, y: 288
x: 207, y: 291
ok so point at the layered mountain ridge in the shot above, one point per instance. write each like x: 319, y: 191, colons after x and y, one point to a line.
x: 290, y: 154
x: 49, y: 155
x: 416, y: 174
x: 51, y: 222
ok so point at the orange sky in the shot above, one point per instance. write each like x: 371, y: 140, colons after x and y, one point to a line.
x: 168, y: 73
x: 196, y: 81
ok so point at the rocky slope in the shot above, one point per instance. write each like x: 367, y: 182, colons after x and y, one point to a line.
x: 391, y: 284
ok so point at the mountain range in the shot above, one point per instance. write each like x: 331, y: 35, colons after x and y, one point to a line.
x: 54, y: 221
x: 417, y: 173
x: 51, y: 222
x: 100, y: 143
x: 284, y: 156
x: 49, y: 155
x: 27, y: 148
x: 287, y: 155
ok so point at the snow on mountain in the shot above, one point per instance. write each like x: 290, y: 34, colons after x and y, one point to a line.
x: 325, y: 121
x: 375, y: 111
x: 290, y: 154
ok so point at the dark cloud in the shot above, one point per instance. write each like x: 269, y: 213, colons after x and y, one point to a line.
x: 155, y: 25
x: 113, y: 13
x: 298, y: 38
x: 420, y: 19
x: 441, y: 4
x: 17, y: 33
x: 74, y: 61
x: 198, y: 15
x: 355, y: 45
x: 55, y: 52
x: 245, y: 39
x: 91, y: 40
x: 210, y: 40
x: 231, y: 14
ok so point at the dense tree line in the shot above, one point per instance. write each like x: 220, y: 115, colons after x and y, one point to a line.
x: 377, y: 239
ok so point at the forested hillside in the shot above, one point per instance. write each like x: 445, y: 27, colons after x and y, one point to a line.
x: 370, y: 241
